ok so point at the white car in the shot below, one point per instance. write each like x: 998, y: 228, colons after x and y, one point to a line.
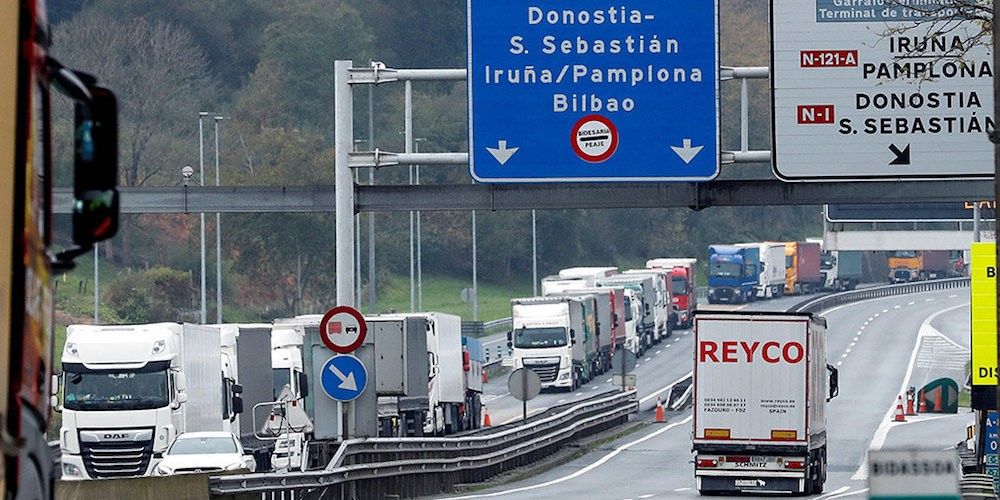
x: 194, y: 452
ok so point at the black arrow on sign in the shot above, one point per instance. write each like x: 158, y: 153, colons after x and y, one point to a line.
x: 902, y: 157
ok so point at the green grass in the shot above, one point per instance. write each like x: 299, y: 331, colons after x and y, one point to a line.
x: 444, y: 294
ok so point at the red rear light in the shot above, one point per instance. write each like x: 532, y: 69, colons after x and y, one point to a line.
x: 707, y: 462
x: 466, y: 361
x: 738, y: 460
x: 795, y: 464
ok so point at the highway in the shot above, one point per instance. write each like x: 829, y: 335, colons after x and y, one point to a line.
x: 879, y: 345
x: 661, y: 366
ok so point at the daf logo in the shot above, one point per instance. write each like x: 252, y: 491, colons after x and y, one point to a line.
x: 116, y: 436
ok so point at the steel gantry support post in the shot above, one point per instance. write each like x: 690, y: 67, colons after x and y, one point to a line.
x: 343, y: 123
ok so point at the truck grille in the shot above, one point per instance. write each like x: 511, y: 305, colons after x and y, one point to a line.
x: 107, y: 459
x: 547, y: 372
x: 724, y: 293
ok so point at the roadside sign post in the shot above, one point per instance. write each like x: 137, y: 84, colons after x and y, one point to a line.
x: 604, y: 93
x: 622, y: 363
x: 344, y: 377
x: 523, y: 385
x: 991, y: 458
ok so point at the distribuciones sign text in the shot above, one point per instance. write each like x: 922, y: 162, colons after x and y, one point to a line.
x: 870, y: 90
x: 983, y: 272
x: 593, y: 91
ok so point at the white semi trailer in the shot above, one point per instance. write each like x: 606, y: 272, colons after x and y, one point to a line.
x: 761, y: 384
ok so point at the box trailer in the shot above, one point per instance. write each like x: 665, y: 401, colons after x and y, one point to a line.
x: 761, y: 384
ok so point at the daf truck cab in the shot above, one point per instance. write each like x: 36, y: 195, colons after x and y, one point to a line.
x: 128, y: 391
x: 553, y: 336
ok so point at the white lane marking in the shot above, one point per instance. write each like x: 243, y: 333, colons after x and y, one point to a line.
x: 609, y: 380
x: 617, y: 451
x: 897, y: 306
x: 850, y: 494
x: 953, y: 296
x: 678, y: 490
x: 928, y: 300
x: 862, y: 328
x: 594, y: 388
x: 884, y: 311
x: 657, y: 352
x: 868, y: 322
x: 834, y: 492
x: 853, y: 344
x: 839, y: 363
x: 561, y: 401
x: 493, y: 397
x: 645, y: 496
x: 848, y: 350
x: 844, y: 356
x: 661, y: 389
x: 876, y: 315
x: 910, y: 303
x: 579, y: 394
x: 886, y: 424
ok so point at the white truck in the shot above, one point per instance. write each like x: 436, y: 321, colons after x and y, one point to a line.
x: 644, y: 296
x: 454, y: 378
x: 288, y: 422
x: 626, y: 307
x: 553, y: 336
x: 128, y: 391
x: 761, y: 384
x: 609, y: 321
x: 588, y: 273
x: 664, y: 311
x: 772, y: 268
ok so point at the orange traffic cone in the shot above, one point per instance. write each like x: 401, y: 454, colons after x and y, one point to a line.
x: 909, y: 407
x: 660, y: 417
x: 900, y: 415
x: 486, y: 417
x: 485, y: 377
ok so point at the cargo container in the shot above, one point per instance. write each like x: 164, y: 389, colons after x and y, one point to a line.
x: 761, y: 385
x: 802, y: 272
x: 841, y: 270
x: 683, y: 287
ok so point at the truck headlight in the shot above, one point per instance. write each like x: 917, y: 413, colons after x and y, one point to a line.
x: 711, y: 291
x: 565, y: 376
x: 71, y: 471
x: 163, y: 470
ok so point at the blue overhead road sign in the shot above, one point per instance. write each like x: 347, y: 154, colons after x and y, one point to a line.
x: 344, y: 377
x: 593, y: 91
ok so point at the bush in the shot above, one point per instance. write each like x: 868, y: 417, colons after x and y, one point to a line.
x: 157, y: 294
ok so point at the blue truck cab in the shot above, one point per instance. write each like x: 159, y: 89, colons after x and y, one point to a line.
x: 733, y: 274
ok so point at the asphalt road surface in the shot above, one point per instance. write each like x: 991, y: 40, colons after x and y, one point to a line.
x: 881, y: 346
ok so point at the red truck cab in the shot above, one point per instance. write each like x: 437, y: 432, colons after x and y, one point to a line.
x: 682, y: 286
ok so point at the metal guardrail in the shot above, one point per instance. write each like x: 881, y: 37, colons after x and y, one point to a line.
x: 377, y: 467
x: 827, y: 301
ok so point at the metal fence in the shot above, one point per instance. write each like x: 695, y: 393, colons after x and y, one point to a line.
x: 827, y: 301
x: 378, y: 468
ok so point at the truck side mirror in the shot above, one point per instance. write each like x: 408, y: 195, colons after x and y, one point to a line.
x: 834, y: 381
x: 95, y: 168
x: 180, y: 381
x: 237, y: 389
x: 237, y: 406
x: 54, y: 403
x: 303, y: 384
x: 647, y: 308
x: 510, y: 340
x: 572, y: 336
x: 54, y: 388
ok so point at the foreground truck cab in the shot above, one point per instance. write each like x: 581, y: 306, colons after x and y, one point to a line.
x: 761, y: 385
x: 128, y: 391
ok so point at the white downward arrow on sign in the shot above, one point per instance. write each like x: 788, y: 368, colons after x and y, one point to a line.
x: 346, y: 381
x: 501, y: 152
x: 687, y: 153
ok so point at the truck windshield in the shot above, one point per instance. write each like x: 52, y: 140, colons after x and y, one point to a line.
x: 904, y: 254
x: 628, y: 309
x: 142, y: 389
x: 678, y: 286
x: 725, y: 269
x: 282, y: 379
x: 528, y: 338
x: 789, y: 261
x: 826, y: 262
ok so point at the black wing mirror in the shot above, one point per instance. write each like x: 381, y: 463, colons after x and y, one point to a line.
x: 834, y: 382
x: 303, y: 384
x: 95, y: 168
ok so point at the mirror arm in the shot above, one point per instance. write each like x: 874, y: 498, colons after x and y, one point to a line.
x: 62, y: 262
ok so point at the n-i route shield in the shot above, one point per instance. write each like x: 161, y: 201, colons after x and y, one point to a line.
x: 590, y: 91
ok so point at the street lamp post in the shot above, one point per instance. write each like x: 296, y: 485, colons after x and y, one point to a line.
x: 218, y: 234
x: 201, y: 164
x: 420, y: 260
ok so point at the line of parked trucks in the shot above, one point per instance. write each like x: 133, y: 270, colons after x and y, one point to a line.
x: 745, y: 272
x: 919, y: 265
x: 127, y: 392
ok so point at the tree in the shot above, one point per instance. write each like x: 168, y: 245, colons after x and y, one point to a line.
x: 161, y: 78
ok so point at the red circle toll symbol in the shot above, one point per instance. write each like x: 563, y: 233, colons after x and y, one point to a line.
x: 594, y: 138
x: 343, y: 329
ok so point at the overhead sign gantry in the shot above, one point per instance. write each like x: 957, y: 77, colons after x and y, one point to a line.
x: 587, y: 91
x: 879, y: 90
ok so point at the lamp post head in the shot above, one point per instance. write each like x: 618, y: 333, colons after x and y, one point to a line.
x: 187, y: 172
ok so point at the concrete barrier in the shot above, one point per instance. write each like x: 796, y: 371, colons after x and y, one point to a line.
x: 183, y: 486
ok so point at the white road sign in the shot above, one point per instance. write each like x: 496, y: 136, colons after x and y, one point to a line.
x: 862, y: 90
x: 913, y: 474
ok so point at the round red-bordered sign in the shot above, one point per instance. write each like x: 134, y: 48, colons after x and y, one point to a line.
x: 343, y: 329
x: 594, y: 138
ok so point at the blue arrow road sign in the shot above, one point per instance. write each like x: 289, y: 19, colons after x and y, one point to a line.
x: 344, y: 377
x: 593, y: 91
